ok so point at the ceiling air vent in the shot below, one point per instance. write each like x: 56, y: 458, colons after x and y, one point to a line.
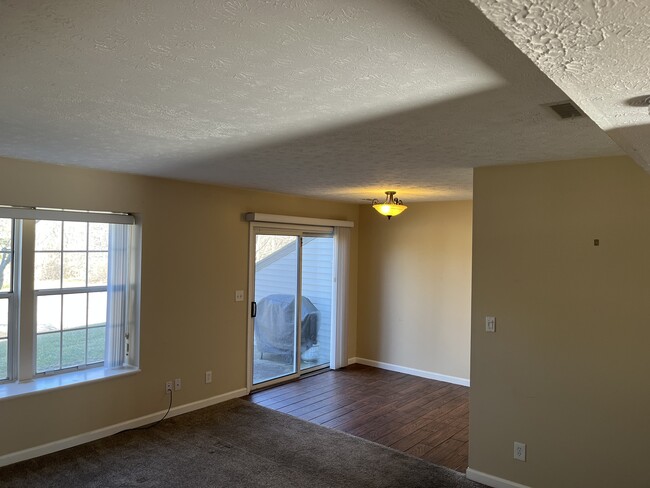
x: 566, y: 110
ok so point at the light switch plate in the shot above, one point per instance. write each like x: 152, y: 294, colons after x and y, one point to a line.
x: 490, y: 324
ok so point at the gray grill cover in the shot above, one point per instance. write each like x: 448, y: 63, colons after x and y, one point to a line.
x: 274, y: 325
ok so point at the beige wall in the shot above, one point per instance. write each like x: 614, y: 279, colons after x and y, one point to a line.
x: 414, y: 287
x: 567, y: 370
x: 195, y: 255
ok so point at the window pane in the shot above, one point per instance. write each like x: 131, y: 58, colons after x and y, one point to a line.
x: 97, y: 268
x: 48, y: 313
x: 75, y: 236
x: 4, y: 317
x: 48, y: 350
x: 3, y: 359
x: 71, y: 323
x: 74, y: 310
x: 74, y: 348
x: 48, y: 235
x: 4, y: 321
x: 5, y: 271
x: 96, y: 344
x: 47, y: 270
x: 5, y: 231
x: 98, y: 237
x: 74, y: 269
x: 96, y: 309
x: 6, y: 248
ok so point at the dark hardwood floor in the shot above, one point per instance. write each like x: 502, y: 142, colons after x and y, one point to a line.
x: 426, y: 418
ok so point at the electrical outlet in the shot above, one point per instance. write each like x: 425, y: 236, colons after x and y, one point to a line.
x: 208, y: 377
x: 490, y: 324
x: 520, y: 451
x: 239, y: 295
x: 177, y: 384
x: 169, y: 386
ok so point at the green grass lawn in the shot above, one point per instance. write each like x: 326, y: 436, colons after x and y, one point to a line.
x: 50, y: 355
x: 3, y: 358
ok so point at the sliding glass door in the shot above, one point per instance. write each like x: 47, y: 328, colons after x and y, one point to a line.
x: 291, y: 307
x: 317, y: 290
x: 274, y: 307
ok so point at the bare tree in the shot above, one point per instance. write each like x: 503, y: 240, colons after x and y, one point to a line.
x: 5, y: 259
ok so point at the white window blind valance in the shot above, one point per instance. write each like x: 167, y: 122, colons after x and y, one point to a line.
x: 287, y: 219
x: 35, y: 213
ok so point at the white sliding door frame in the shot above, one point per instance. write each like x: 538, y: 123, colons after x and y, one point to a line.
x: 268, y: 229
x: 339, y: 292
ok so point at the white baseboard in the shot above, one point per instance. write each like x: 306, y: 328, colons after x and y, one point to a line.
x: 489, y: 480
x: 59, y: 445
x: 415, y: 372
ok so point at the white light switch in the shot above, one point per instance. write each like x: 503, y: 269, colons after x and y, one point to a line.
x: 239, y: 295
x: 490, y: 324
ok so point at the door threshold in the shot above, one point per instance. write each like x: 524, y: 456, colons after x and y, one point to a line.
x: 291, y: 380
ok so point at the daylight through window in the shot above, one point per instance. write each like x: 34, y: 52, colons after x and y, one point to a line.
x: 6, y: 291
x: 81, y: 289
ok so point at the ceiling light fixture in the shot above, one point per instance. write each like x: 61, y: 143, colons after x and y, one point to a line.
x: 392, y: 206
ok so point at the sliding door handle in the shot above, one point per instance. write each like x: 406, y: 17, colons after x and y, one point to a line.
x: 253, y: 309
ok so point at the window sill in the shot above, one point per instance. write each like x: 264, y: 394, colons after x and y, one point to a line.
x: 63, y: 380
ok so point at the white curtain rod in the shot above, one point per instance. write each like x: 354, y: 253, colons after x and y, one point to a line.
x: 70, y: 215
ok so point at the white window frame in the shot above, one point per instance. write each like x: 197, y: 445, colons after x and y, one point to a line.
x: 61, y: 292
x: 12, y: 308
x: 22, y: 376
x: 29, y: 247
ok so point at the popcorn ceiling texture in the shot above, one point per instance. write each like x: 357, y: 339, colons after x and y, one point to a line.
x: 597, y: 51
x: 331, y: 99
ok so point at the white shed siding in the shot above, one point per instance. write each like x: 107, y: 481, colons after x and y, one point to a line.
x: 317, y: 255
x: 277, y: 274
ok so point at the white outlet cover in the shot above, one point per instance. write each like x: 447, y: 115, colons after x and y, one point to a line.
x: 239, y: 295
x: 520, y: 451
x: 208, y: 377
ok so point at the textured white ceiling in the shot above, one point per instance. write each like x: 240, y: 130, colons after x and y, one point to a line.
x: 326, y: 98
x: 597, y: 51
